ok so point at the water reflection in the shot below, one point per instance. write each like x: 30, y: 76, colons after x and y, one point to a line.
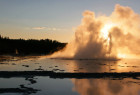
x: 57, y: 65
x: 87, y: 86
x: 125, y: 65
x: 106, y: 86
x: 17, y: 86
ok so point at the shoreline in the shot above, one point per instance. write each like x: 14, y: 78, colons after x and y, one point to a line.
x: 52, y: 74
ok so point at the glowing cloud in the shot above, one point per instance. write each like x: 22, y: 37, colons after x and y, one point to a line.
x: 105, y: 36
x: 48, y: 28
x: 38, y: 28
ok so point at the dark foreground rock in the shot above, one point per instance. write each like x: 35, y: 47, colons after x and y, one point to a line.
x: 52, y: 74
x: 26, y: 90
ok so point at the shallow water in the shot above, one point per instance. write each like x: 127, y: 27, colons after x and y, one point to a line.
x: 49, y: 86
x: 58, y: 65
x: 44, y: 85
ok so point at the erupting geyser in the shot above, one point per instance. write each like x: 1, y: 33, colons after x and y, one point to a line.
x: 103, y: 36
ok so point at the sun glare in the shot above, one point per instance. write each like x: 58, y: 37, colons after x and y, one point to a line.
x: 129, y: 56
x: 121, y: 55
x: 105, y: 30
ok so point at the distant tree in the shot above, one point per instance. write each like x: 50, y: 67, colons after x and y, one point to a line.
x: 30, y: 46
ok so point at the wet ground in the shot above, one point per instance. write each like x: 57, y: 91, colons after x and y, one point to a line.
x: 37, y: 84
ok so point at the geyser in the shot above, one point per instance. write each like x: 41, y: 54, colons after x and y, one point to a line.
x: 105, y: 36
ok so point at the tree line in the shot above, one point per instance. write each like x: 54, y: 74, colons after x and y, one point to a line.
x: 28, y: 47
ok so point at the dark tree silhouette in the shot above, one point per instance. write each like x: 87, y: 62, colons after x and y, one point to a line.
x: 30, y: 46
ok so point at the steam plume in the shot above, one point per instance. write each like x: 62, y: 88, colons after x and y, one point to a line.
x: 105, y: 36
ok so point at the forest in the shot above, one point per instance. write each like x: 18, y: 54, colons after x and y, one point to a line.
x: 29, y: 47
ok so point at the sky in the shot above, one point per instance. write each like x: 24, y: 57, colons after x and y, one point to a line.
x: 53, y: 19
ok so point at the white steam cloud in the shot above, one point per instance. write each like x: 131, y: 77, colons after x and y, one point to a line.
x: 111, y: 36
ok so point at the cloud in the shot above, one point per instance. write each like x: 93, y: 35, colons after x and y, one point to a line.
x: 48, y: 28
x: 39, y: 28
x: 53, y: 29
